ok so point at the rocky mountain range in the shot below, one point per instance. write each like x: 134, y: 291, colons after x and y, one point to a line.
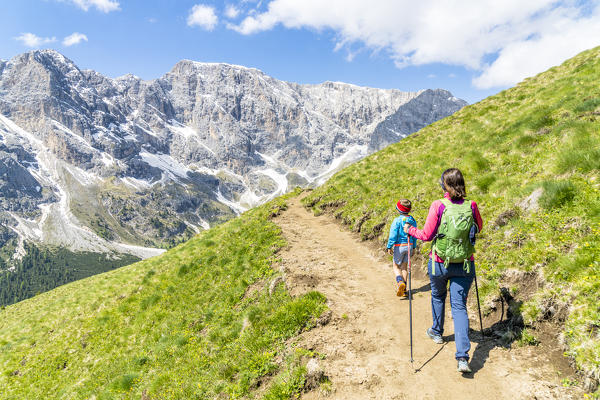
x: 126, y: 165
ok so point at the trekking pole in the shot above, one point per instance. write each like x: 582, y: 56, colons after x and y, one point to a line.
x: 479, y: 308
x: 410, y: 299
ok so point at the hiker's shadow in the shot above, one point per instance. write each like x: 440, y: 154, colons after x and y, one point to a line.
x: 483, y: 346
x: 500, y: 334
x: 482, y: 352
x: 424, y: 288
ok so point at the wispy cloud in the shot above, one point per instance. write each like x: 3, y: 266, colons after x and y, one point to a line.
x: 521, y: 38
x: 105, y: 6
x: 33, y: 41
x: 231, y: 11
x: 432, y: 76
x: 74, y: 38
x: 203, y: 16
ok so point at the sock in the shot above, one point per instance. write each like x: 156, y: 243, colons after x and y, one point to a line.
x: 399, y: 279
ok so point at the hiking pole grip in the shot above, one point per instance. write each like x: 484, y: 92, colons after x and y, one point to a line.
x: 479, y: 307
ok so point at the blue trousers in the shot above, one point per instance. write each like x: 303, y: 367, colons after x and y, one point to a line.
x: 460, y: 283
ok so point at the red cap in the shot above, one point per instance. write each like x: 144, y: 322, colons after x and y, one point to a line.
x: 402, y: 208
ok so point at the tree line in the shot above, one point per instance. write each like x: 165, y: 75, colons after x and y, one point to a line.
x: 43, y: 269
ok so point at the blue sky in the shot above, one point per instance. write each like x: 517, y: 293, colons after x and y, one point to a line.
x: 472, y: 48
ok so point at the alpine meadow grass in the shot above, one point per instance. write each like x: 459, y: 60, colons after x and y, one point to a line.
x: 177, y: 326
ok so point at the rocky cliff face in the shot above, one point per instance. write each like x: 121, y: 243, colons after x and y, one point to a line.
x: 426, y: 108
x: 90, y: 163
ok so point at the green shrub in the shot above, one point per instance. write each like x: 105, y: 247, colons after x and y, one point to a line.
x: 475, y: 162
x: 484, y: 182
x: 582, y: 155
x: 526, y: 141
x: 289, y: 384
x: 125, y: 383
x: 569, y: 267
x: 588, y: 105
x: 557, y: 194
x: 540, y: 118
x: 149, y: 301
x: 527, y: 338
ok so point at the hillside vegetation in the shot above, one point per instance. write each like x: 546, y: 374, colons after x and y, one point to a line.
x: 541, y: 137
x: 204, y: 319
x: 42, y: 269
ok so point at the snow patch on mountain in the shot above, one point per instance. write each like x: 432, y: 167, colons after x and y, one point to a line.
x: 171, y: 167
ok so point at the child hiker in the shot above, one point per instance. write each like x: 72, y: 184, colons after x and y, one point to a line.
x: 398, y: 246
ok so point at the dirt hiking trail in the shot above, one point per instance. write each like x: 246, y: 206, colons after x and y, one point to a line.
x: 366, y: 343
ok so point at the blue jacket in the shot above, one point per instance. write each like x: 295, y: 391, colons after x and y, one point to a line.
x: 397, y: 235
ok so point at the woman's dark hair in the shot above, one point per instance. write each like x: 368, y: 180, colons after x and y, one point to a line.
x: 453, y: 182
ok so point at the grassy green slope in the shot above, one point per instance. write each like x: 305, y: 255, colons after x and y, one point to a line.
x: 543, y: 133
x: 192, y: 323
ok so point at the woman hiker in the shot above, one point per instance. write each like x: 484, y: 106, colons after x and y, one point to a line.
x: 452, y: 223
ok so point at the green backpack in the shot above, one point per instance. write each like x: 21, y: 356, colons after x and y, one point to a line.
x: 452, y: 243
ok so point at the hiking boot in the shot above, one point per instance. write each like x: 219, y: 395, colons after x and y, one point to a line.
x: 463, y: 366
x: 401, y: 289
x: 434, y: 336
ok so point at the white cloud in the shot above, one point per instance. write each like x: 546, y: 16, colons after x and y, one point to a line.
x: 521, y: 37
x: 203, y: 16
x: 562, y: 39
x: 431, y: 76
x: 31, y: 40
x: 105, y: 6
x: 74, y: 38
x: 231, y: 11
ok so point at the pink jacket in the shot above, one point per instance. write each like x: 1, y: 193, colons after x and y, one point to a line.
x: 433, y: 222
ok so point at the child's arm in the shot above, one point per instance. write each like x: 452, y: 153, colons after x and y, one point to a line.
x: 393, y: 234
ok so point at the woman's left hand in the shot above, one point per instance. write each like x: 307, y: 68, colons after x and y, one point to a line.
x: 406, y: 228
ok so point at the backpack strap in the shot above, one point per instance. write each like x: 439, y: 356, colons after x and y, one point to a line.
x: 405, y: 220
x: 467, y: 262
x: 433, y: 245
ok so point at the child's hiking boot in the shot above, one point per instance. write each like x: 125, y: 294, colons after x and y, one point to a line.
x: 435, y: 337
x: 463, y: 366
x: 401, y: 291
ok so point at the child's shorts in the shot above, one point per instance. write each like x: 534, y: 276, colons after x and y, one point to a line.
x: 401, y: 254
